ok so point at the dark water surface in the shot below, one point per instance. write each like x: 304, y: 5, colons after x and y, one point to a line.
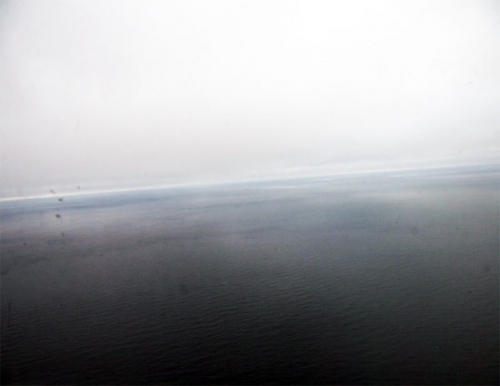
x: 377, y: 279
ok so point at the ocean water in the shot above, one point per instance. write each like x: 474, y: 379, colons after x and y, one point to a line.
x: 388, y: 278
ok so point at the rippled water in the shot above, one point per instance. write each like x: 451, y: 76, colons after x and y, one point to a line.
x: 386, y: 278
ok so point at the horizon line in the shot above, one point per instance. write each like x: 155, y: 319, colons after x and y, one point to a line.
x: 237, y: 181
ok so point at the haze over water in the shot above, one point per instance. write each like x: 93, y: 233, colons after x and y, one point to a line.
x: 379, y: 278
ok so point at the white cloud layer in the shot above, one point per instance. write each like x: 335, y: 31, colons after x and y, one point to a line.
x: 122, y: 92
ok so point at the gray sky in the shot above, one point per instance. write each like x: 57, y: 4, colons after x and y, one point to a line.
x: 130, y: 92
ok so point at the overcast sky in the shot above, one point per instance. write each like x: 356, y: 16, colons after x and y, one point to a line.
x: 131, y: 92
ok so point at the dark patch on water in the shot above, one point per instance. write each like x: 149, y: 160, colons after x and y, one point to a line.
x: 184, y: 289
